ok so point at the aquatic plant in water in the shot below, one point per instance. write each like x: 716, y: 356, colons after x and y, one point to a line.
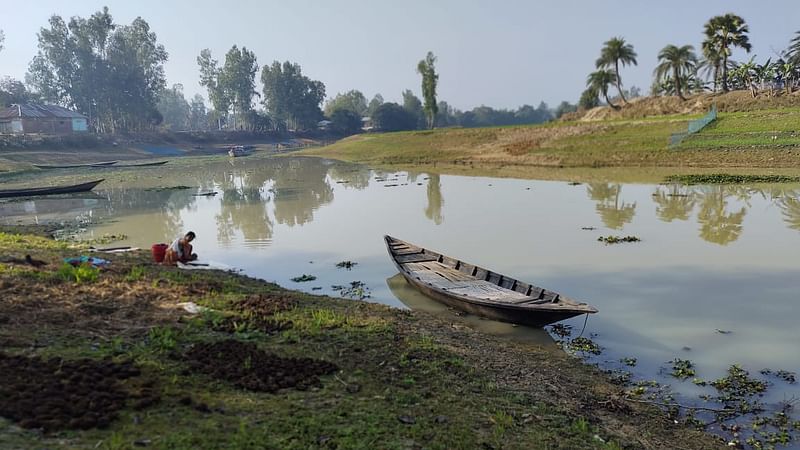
x: 682, y: 368
x: 346, y: 265
x: 617, y: 239
x: 725, y: 178
x: 304, y: 278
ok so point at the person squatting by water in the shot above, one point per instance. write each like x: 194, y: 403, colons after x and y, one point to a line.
x: 180, y: 250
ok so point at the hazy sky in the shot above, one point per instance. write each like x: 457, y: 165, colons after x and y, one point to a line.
x: 497, y: 53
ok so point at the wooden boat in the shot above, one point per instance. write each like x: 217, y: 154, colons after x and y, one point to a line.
x: 73, y: 166
x: 29, y: 192
x: 148, y: 164
x: 479, y: 291
x: 239, y: 150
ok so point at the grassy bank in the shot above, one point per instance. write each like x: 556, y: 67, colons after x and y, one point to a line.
x: 264, y: 367
x: 759, y: 139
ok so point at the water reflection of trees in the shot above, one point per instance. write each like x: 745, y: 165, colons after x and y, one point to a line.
x: 614, y: 212
x: 300, y: 187
x: 165, y: 204
x: 350, y: 175
x: 435, y: 200
x: 243, y: 207
x: 717, y: 224
x: 674, y: 203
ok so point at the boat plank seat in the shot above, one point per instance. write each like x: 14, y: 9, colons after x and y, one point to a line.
x: 459, y: 283
x: 415, y: 258
x: 444, y: 272
x: 488, y: 291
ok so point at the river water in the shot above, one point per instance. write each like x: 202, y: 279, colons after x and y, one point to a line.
x: 715, y: 278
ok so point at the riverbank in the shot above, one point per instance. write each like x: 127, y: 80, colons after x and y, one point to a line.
x: 763, y: 139
x: 20, y: 152
x: 380, y: 377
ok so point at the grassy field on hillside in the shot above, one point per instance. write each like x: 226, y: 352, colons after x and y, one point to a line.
x: 755, y: 139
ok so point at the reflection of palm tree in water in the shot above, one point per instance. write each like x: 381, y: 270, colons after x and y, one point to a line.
x: 717, y: 225
x: 435, y: 201
x: 676, y: 203
x: 790, y: 208
x: 613, y: 213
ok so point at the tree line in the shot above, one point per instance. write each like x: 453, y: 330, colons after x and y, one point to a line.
x: 680, y: 70
x: 114, y: 74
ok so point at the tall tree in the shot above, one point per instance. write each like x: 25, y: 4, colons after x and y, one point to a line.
x: 13, y: 91
x: 678, y: 62
x: 616, y: 51
x: 198, y: 117
x: 598, y: 82
x: 413, y: 105
x: 2, y: 39
x: 352, y: 100
x: 292, y: 97
x: 113, y: 73
x: 174, y: 108
x: 210, y: 75
x: 374, y: 104
x: 238, y: 80
x: 722, y: 33
x: 430, y: 79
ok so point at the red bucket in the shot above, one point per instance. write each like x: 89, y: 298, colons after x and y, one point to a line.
x: 159, y: 250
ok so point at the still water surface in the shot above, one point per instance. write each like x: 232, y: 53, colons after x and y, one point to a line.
x: 715, y: 279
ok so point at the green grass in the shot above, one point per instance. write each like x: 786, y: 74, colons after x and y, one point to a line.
x: 762, y: 138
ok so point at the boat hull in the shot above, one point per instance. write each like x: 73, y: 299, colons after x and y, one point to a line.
x: 75, y: 166
x: 55, y: 190
x: 478, y: 291
x: 510, y: 315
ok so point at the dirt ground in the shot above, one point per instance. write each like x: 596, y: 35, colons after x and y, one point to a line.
x: 101, y: 357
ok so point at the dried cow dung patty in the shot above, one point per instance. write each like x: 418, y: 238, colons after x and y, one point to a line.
x: 245, y: 366
x: 56, y: 394
x: 264, y: 305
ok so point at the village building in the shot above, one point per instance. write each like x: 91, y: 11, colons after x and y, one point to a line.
x: 43, y: 119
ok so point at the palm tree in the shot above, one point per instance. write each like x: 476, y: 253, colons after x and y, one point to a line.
x: 614, y: 52
x: 711, y: 62
x: 724, y: 32
x: 680, y: 61
x: 599, y: 81
x: 793, y: 52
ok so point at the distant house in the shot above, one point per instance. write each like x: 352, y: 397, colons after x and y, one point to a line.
x: 366, y: 124
x: 44, y: 119
x: 324, y: 125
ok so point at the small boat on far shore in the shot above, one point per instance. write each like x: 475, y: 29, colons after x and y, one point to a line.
x: 480, y: 291
x: 53, y: 190
x: 148, y: 164
x: 73, y: 166
x: 239, y: 150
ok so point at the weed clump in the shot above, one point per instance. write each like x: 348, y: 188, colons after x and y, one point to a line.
x: 617, y: 239
x: 303, y: 278
x: 725, y: 178
x: 84, y: 273
x: 682, y: 369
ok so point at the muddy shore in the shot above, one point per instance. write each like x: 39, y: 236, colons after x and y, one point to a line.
x: 266, y: 367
